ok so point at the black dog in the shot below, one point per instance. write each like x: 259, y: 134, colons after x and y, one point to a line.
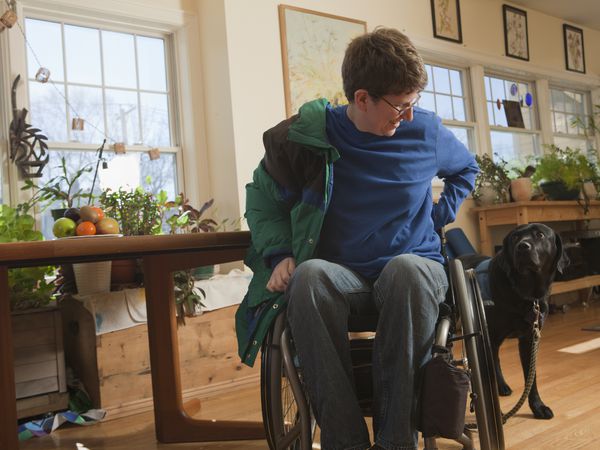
x: 520, y: 274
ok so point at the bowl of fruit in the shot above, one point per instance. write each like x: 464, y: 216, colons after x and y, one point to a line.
x: 85, y: 221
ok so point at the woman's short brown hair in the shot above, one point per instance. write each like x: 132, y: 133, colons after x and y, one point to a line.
x: 382, y: 62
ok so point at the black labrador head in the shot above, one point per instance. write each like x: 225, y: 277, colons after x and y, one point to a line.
x: 533, y: 248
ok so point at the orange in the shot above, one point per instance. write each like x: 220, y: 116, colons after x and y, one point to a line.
x: 85, y: 228
x: 99, y: 211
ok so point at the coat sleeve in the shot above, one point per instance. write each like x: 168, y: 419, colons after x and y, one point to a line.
x: 458, y: 169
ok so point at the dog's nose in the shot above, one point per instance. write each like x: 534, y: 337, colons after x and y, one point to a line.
x: 524, y: 246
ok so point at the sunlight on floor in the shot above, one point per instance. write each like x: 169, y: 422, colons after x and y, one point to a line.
x: 583, y: 347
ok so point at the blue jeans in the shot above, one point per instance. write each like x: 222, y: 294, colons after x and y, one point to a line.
x: 321, y: 295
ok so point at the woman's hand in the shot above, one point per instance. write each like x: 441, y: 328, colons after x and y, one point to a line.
x: 281, y: 275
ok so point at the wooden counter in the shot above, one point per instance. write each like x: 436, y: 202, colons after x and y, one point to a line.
x: 161, y: 255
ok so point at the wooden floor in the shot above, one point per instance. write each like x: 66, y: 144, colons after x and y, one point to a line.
x: 569, y: 384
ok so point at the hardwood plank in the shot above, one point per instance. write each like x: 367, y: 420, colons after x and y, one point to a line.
x: 568, y: 383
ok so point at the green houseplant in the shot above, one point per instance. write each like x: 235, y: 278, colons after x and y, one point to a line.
x: 62, y: 188
x: 28, y: 286
x: 492, y: 183
x: 561, y: 173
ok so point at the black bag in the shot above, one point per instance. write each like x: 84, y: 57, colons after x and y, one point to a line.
x: 443, y: 399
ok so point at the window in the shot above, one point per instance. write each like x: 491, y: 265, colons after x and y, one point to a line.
x: 513, y: 144
x: 445, y: 94
x: 118, y: 83
x: 570, y: 113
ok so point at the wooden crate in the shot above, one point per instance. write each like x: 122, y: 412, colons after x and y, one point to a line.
x: 40, y: 379
x: 115, y: 367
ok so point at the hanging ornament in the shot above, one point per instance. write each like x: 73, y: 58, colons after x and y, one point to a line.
x: 42, y: 75
x: 153, y: 154
x: 77, y: 124
x: 8, y: 19
x: 521, y: 101
x: 528, y: 99
x: 514, y: 89
x: 119, y: 148
x: 499, y: 104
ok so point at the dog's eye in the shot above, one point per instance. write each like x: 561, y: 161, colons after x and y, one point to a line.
x: 539, y: 235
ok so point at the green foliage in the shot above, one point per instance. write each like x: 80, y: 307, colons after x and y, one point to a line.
x: 567, y: 165
x: 187, y: 296
x: 27, y: 286
x: 137, y: 211
x: 60, y: 188
x: 493, y: 175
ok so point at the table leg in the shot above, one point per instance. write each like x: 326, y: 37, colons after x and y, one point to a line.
x: 171, y: 421
x: 8, y: 401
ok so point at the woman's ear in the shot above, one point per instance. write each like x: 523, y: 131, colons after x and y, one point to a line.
x: 361, y: 98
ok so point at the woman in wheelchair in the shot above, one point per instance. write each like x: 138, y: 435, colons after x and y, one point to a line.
x: 362, y: 245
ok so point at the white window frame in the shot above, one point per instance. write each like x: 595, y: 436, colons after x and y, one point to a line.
x: 182, y: 29
x: 170, y: 76
x: 588, y: 138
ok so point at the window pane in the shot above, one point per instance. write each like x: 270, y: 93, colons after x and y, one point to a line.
x: 87, y: 103
x: 82, y: 48
x: 497, y: 89
x: 48, y: 110
x: 162, y: 173
x: 462, y: 134
x: 119, y: 59
x: 441, y: 80
x: 151, y: 63
x: 155, y: 119
x: 426, y: 101
x: 514, y: 147
x: 46, y: 41
x: 122, y: 116
x: 444, y: 106
x: 560, y: 123
x: 459, y: 108
x: 456, y: 82
x: 558, y: 102
x: 573, y: 142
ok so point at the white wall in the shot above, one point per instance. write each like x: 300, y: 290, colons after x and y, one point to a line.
x: 253, y: 80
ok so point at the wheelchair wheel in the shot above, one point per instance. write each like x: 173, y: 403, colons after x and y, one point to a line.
x: 288, y: 420
x: 479, y: 356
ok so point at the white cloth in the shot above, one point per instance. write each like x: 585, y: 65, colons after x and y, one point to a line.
x: 119, y: 310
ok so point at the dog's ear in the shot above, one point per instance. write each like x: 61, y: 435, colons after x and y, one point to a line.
x: 561, y: 260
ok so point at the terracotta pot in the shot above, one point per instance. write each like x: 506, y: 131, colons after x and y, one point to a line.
x: 521, y: 189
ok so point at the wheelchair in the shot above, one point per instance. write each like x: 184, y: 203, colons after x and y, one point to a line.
x: 287, y: 417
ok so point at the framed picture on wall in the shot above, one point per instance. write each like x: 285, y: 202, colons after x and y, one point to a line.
x: 574, y: 51
x: 312, y: 49
x: 516, y: 43
x: 445, y: 15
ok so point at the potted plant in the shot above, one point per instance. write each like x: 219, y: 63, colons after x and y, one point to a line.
x: 492, y: 183
x: 61, y: 191
x: 561, y: 173
x: 521, y: 186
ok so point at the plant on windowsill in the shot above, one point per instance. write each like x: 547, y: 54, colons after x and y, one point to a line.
x: 521, y: 186
x: 561, y: 174
x: 62, y: 189
x: 492, y: 183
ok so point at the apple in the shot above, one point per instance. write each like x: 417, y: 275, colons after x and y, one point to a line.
x: 88, y: 214
x: 64, y: 227
x: 108, y: 225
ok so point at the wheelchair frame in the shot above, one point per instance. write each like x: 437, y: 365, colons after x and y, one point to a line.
x: 287, y: 417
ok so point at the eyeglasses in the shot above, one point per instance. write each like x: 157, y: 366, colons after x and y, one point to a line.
x: 404, y: 108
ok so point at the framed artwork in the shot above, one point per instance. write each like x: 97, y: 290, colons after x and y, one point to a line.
x: 574, y: 51
x: 516, y: 43
x: 312, y: 49
x: 445, y: 15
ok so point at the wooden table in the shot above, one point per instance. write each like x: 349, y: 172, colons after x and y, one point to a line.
x: 161, y: 255
x: 520, y: 213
